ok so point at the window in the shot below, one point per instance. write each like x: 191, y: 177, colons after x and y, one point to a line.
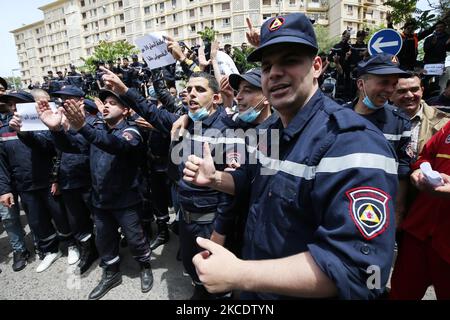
x: 148, y: 24
x: 85, y: 27
x: 122, y: 17
x: 120, y: 3
x: 37, y: 31
x: 192, y: 27
x: 147, y: 10
x: 211, y: 8
x: 225, y: 6
x: 201, y: 11
x: 122, y: 30
x: 292, y: 3
x: 174, y: 17
x: 82, y: 3
x: 163, y: 20
x: 105, y: 22
x: 174, y: 4
x: 227, y: 37
x: 267, y: 2
x: 350, y: 10
x: 192, y: 13
x: 161, y: 7
x: 226, y: 22
x: 175, y: 32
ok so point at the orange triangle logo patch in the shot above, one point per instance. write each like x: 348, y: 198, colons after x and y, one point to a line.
x: 276, y: 24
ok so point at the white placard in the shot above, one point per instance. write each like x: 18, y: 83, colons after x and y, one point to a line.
x: 154, y: 50
x: 30, y: 117
x: 226, y: 64
x: 436, y: 69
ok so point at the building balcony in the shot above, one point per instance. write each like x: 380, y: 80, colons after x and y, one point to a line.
x: 317, y: 6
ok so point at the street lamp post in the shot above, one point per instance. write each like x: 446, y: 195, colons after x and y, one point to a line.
x: 13, y: 78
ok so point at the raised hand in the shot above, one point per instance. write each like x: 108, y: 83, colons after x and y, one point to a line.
x: 200, y: 171
x: 174, y: 48
x: 203, y: 63
x: 113, y: 82
x: 252, y: 35
x: 51, y: 119
x: 179, y: 127
x: 16, y: 122
x: 226, y: 91
x: 100, y: 105
x: 74, y: 113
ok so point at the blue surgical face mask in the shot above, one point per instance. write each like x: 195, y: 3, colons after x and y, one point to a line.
x: 369, y: 104
x: 250, y: 114
x: 200, y: 114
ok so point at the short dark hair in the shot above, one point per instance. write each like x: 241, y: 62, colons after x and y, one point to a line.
x: 212, y: 82
x: 413, y: 74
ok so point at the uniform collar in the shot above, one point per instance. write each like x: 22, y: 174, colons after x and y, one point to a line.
x: 379, y: 115
x: 303, y: 115
x: 120, y: 126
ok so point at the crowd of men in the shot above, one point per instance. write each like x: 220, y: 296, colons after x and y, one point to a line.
x: 278, y: 190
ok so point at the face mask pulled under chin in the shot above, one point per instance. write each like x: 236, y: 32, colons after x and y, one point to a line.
x: 369, y: 104
x: 200, y: 114
x: 251, y: 114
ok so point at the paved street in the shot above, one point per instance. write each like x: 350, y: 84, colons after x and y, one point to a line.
x: 60, y: 282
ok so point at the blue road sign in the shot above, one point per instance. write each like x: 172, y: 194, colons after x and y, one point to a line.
x: 385, y: 40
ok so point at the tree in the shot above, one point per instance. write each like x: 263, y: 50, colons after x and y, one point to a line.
x: 208, y: 35
x: 324, y: 41
x: 109, y: 51
x: 401, y: 10
x: 14, y: 83
x: 240, y: 59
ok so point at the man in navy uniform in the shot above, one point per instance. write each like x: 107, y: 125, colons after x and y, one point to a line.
x: 199, y: 206
x: 320, y: 218
x: 377, y: 80
x: 115, y: 154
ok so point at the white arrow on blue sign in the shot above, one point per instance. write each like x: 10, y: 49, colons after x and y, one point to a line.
x: 385, y: 40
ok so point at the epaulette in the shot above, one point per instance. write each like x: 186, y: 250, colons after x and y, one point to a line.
x: 348, y: 120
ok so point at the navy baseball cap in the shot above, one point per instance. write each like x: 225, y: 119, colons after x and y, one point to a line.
x: 134, y: 56
x: 90, y: 106
x: 4, y: 83
x: 252, y: 76
x: 69, y: 90
x: 107, y: 93
x: 291, y: 28
x: 19, y: 96
x: 381, y: 64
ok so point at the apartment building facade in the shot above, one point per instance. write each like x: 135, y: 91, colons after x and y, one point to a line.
x: 71, y: 29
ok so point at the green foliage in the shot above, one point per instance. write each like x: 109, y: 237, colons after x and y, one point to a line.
x: 109, y: 51
x: 240, y: 59
x: 323, y: 39
x: 401, y: 10
x: 208, y: 35
x: 11, y: 81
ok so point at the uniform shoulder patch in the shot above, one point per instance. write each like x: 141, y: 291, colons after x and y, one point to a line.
x: 447, y: 140
x: 369, y: 210
x: 276, y: 24
x: 127, y: 135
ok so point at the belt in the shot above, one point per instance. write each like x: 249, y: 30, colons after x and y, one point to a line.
x: 206, y: 217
